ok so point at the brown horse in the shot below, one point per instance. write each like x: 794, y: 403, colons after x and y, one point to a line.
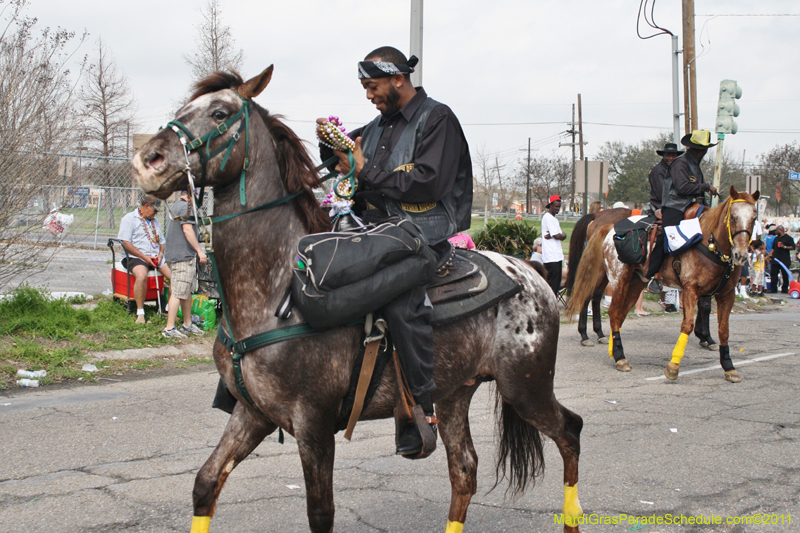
x: 583, y: 231
x: 298, y: 385
x: 698, y: 272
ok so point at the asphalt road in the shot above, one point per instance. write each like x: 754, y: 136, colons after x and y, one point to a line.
x: 122, y: 456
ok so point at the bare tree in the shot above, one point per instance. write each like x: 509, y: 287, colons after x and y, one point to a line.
x: 550, y: 175
x: 215, y: 48
x: 108, y: 116
x: 37, y: 97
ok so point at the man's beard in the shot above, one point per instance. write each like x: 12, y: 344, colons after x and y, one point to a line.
x: 392, y: 102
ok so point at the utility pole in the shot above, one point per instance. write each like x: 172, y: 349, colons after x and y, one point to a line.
x: 585, y: 163
x: 528, y: 189
x: 416, y: 41
x: 572, y: 131
x: 689, y: 69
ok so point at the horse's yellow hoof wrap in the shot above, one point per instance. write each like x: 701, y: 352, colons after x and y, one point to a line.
x: 454, y: 527
x: 200, y: 524
x: 572, y: 506
x: 611, y: 346
x: 680, y: 349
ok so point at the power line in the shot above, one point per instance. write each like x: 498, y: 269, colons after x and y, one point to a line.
x: 753, y: 15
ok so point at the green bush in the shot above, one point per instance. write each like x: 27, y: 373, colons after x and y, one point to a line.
x: 507, y: 237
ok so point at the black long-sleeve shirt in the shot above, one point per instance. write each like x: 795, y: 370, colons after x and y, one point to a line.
x: 436, y: 162
x: 656, y: 178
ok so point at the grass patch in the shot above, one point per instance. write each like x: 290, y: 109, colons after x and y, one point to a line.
x: 38, y: 332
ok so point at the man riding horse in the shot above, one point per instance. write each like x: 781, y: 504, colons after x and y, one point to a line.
x: 411, y: 161
x: 683, y: 186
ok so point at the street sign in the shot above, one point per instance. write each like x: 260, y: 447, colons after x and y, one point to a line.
x: 81, y: 191
x: 753, y: 184
x: 794, y: 175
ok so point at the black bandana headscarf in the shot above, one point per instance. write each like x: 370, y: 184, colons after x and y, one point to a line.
x: 382, y: 69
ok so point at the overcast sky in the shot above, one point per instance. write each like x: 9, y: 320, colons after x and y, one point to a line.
x: 510, y: 69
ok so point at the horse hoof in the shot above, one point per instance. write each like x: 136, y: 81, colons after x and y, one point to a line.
x: 732, y: 376
x: 602, y: 340
x: 672, y: 371
x: 586, y: 342
x: 623, y: 365
x: 571, y: 529
x: 712, y: 347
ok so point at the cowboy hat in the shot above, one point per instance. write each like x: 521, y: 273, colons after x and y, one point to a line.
x: 698, y: 139
x: 669, y: 148
x: 619, y: 205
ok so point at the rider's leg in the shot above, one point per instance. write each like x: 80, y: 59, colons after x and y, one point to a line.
x: 409, y: 319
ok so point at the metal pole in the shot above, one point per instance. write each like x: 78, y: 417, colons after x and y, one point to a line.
x: 718, y: 167
x: 572, y: 198
x: 97, y: 220
x: 416, y: 40
x: 676, y: 104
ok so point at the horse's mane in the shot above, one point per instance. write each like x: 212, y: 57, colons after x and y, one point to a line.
x: 710, y: 218
x: 296, y: 166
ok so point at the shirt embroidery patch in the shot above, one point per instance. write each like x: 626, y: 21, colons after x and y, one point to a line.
x: 405, y: 168
x: 418, y: 208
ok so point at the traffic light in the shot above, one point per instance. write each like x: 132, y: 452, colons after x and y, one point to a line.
x: 729, y: 91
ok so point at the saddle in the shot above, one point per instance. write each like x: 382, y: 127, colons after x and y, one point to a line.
x: 465, y: 284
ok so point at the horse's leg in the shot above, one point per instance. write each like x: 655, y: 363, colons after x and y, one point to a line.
x: 597, y: 313
x: 624, y: 294
x: 316, y: 444
x: 725, y: 301
x: 582, y: 320
x: 687, y: 325
x: 244, y: 432
x: 462, y: 460
x: 532, y: 401
x: 702, y: 328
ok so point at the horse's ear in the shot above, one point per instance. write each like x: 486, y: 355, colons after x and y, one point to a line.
x: 253, y: 87
x: 756, y: 195
x: 734, y: 193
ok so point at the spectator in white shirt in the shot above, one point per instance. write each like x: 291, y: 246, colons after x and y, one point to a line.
x: 552, y: 254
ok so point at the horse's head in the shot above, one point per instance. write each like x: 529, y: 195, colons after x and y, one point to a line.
x: 213, y: 126
x: 740, y: 221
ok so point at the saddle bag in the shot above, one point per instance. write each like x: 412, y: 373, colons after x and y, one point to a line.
x: 630, y: 239
x: 342, y: 276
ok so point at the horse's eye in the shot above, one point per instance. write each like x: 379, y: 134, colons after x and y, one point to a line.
x: 219, y: 115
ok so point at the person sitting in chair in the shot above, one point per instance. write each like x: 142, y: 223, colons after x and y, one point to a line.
x: 144, y: 243
x: 684, y: 186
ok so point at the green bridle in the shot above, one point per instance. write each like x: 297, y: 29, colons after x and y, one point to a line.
x: 192, y: 143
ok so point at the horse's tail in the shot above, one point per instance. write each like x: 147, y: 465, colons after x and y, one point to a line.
x: 590, y: 272
x: 576, y: 245
x: 520, y: 458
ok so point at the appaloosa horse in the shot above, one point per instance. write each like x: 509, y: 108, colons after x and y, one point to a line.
x: 298, y: 385
x: 698, y: 271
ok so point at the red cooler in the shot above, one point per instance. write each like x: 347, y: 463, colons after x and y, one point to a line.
x: 120, y: 281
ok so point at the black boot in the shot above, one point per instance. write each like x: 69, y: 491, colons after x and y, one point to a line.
x: 411, y: 443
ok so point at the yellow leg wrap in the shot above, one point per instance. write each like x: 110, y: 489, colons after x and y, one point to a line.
x: 680, y: 349
x: 200, y: 524
x: 454, y: 527
x: 572, y: 505
x: 611, y: 346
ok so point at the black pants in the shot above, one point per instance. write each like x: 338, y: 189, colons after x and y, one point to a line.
x: 776, y: 270
x: 554, y: 275
x: 670, y: 217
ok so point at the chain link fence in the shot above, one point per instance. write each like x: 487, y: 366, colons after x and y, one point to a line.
x: 65, y: 207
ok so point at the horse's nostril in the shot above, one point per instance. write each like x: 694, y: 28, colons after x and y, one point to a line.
x: 155, y: 160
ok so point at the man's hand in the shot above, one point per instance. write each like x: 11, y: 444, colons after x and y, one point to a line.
x: 149, y: 260
x: 343, y: 165
x: 201, y: 256
x: 547, y: 235
x: 713, y: 191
